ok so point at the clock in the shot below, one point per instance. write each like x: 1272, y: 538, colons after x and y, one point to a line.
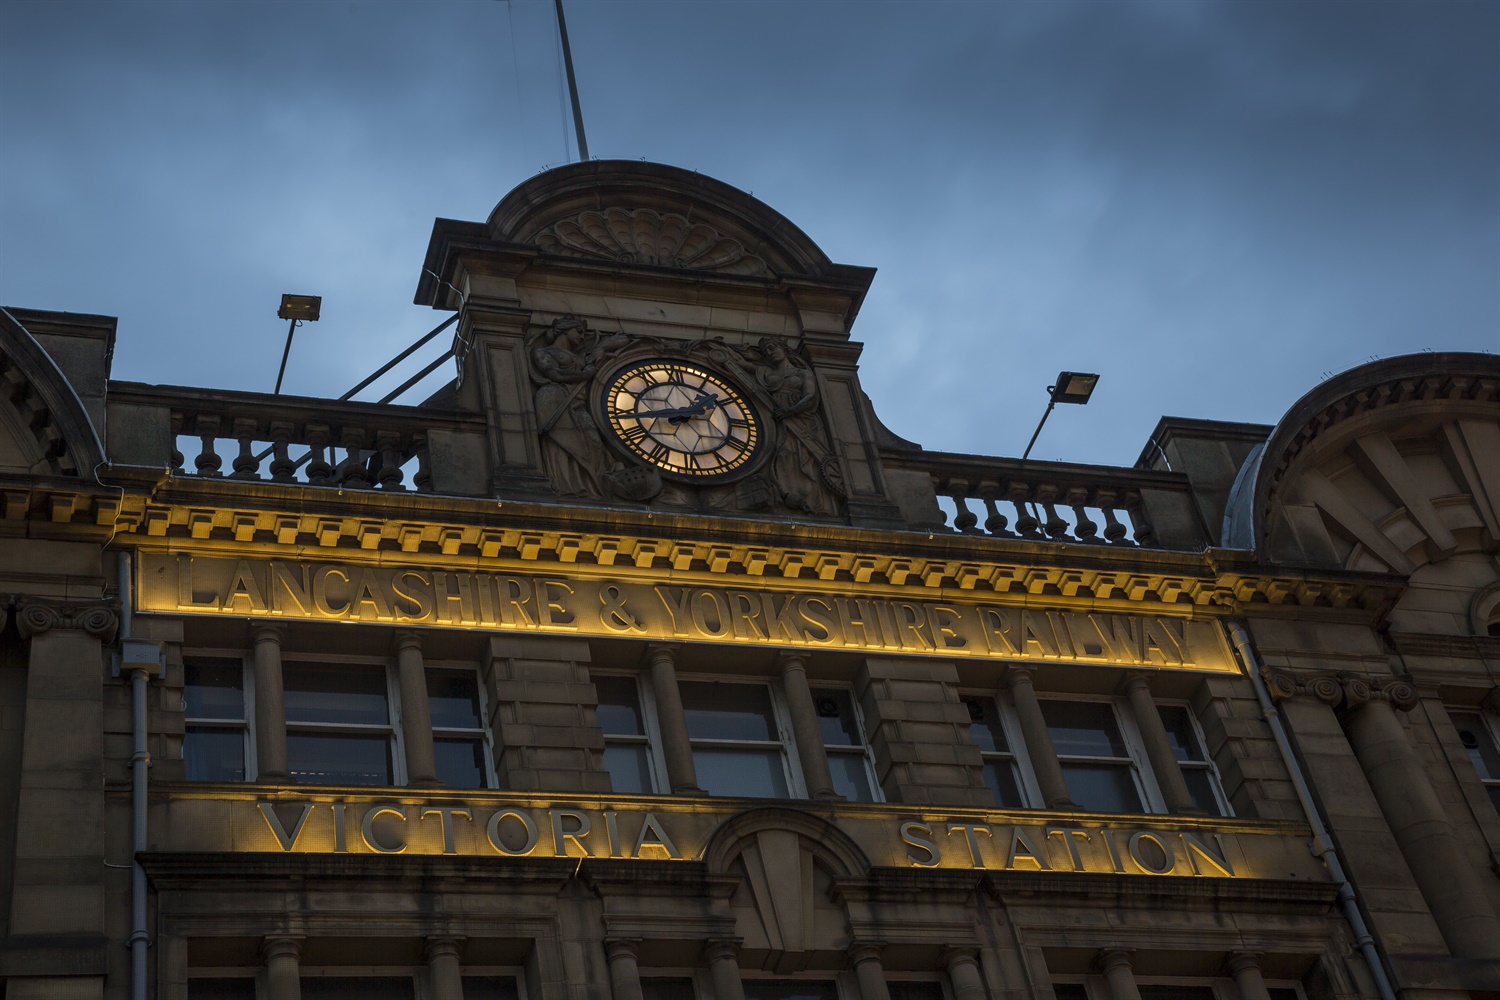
x: 684, y: 420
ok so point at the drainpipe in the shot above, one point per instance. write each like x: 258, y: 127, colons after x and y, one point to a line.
x: 1322, y: 844
x: 142, y: 661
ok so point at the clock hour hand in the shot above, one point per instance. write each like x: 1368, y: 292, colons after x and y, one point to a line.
x: 680, y: 414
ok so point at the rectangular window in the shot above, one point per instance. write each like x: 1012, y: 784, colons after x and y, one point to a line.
x: 460, y: 737
x: 1478, y: 737
x: 358, y: 988
x: 1197, y: 769
x: 1002, y: 772
x: 627, y: 747
x: 338, y: 724
x: 667, y: 988
x: 491, y: 988
x: 1096, y: 763
x: 739, y: 747
x: 791, y: 989
x: 221, y: 988
x: 215, y: 740
x: 914, y: 989
x: 844, y: 741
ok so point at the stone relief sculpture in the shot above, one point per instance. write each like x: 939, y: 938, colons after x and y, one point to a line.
x: 563, y: 362
x: 645, y: 236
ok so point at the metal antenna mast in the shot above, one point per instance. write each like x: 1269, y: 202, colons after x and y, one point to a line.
x: 562, y: 27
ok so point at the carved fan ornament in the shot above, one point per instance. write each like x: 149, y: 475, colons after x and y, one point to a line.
x: 645, y: 236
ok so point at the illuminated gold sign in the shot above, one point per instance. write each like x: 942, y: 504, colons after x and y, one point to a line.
x: 569, y: 605
x: 521, y: 830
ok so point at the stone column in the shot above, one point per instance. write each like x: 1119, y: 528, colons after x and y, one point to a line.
x: 624, y: 973
x: 675, y: 745
x: 1174, y: 789
x: 282, y: 955
x: 865, y: 957
x: 1044, y: 763
x: 443, y: 967
x: 724, y: 969
x: 964, y: 975
x: 270, y: 704
x: 1245, y: 968
x: 805, y: 728
x: 1118, y: 974
x: 1452, y: 889
x: 416, y: 716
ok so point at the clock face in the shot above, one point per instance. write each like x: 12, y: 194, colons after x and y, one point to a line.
x: 682, y: 419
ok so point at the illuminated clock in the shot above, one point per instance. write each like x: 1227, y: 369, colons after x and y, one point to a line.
x: 684, y: 420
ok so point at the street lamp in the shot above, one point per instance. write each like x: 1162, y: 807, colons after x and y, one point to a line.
x: 1071, y: 387
x: 297, y: 308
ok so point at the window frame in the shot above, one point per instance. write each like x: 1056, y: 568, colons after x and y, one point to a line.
x: 484, y: 731
x: 656, y: 763
x: 862, y: 749
x: 1019, y: 756
x: 247, y: 699
x: 791, y: 764
x: 393, y: 727
x: 1216, y: 784
x: 1490, y: 725
x: 1144, y: 779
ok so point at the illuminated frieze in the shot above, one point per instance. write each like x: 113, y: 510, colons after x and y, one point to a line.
x: 580, y: 605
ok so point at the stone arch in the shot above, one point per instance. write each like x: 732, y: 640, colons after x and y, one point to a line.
x: 788, y: 863
x: 44, y: 428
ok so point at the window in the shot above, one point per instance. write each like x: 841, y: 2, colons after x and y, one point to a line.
x: 844, y: 741
x: 667, y: 988
x: 791, y: 989
x: 1477, y: 734
x: 338, y: 724
x: 491, y: 988
x: 1197, y: 769
x: 1002, y: 772
x: 221, y: 988
x: 460, y: 738
x: 215, y: 740
x: 1100, y: 771
x: 915, y: 989
x: 627, y: 747
x: 739, y: 747
x: 358, y: 988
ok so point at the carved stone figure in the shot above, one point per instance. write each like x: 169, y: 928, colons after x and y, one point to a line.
x: 573, y: 452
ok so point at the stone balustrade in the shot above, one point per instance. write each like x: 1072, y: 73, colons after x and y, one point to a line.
x: 1047, y: 501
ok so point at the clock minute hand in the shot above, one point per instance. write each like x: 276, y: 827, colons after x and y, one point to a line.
x: 701, y: 406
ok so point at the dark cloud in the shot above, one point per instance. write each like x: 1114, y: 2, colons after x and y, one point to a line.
x: 1210, y: 203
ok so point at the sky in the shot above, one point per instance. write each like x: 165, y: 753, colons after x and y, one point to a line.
x: 1214, y: 205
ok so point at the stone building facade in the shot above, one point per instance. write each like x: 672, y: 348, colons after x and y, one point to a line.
x: 643, y: 662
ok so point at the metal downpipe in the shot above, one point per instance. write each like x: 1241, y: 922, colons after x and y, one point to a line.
x: 140, y: 761
x: 1322, y: 845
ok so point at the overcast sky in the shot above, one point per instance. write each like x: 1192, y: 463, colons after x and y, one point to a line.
x: 1214, y: 205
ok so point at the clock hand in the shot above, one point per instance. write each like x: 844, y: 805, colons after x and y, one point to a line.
x: 700, y: 406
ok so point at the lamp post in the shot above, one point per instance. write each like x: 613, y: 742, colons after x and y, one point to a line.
x: 297, y: 309
x: 1071, y: 387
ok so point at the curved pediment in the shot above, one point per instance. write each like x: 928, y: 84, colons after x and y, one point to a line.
x: 1393, y: 467
x: 44, y: 428
x: 623, y: 211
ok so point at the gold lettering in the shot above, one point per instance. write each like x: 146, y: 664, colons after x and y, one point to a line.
x: 819, y: 626
x: 516, y: 592
x: 1169, y: 861
x: 561, y: 835
x: 1023, y: 847
x: 243, y: 586
x: 1113, y: 848
x: 744, y: 615
x: 187, y: 598
x: 675, y: 600
x: 367, y: 829
x: 1126, y: 632
x: 492, y: 829
x: 999, y: 625
x: 971, y: 831
x: 1161, y: 645
x: 550, y: 609
x: 446, y: 814
x: 941, y: 619
x: 612, y: 829
x: 659, y: 838
x: 285, y: 839
x: 320, y: 592
x: 487, y: 614
x: 294, y: 590
x: 613, y: 614
x: 1193, y: 846
x: 704, y: 602
x: 909, y: 837
x: 461, y: 593
x: 368, y: 590
x: 1036, y: 632
x: 1068, y: 833
x: 418, y: 596
x: 1060, y: 633
x: 340, y: 835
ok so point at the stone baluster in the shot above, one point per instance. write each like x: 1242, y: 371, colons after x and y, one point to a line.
x: 319, y: 472
x: 624, y: 968
x: 1140, y: 528
x: 724, y: 969
x: 1114, y: 531
x: 965, y: 519
x: 246, y: 465
x: 994, y: 521
x: 208, y: 461
x: 443, y: 967
x: 283, y: 957
x: 283, y: 469
x: 1026, y: 522
x: 1084, y: 529
x: 1056, y: 528
x: 176, y: 456
x: 1119, y: 975
x: 964, y: 975
x: 352, y: 469
x: 422, y: 479
x: 388, y: 443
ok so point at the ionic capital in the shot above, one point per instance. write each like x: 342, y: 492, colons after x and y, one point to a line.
x: 97, y: 618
